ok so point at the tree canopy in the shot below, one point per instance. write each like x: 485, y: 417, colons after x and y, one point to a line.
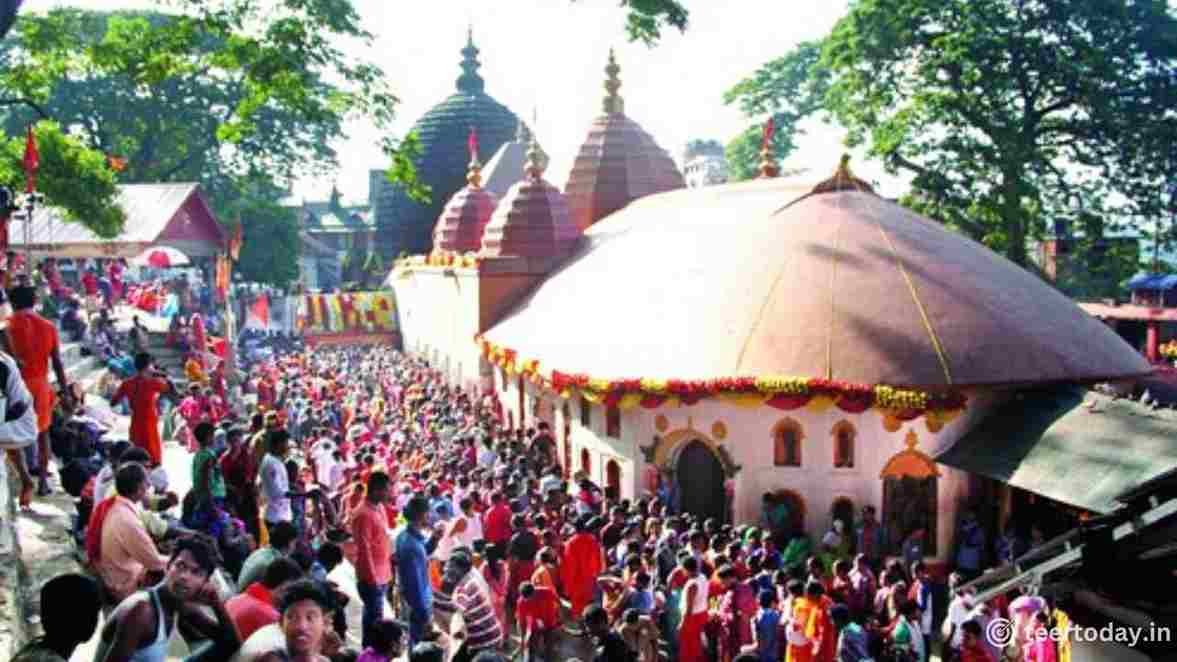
x: 240, y: 95
x: 1006, y: 113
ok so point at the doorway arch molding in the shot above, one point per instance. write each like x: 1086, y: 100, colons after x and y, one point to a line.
x: 666, y: 449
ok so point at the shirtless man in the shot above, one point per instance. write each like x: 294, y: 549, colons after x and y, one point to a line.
x: 140, y: 628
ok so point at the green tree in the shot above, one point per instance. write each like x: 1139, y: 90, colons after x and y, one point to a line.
x: 787, y: 90
x: 646, y: 19
x: 270, y: 242
x: 71, y: 175
x: 240, y: 95
x: 1005, y: 112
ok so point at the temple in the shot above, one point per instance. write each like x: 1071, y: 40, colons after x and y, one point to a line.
x: 406, y: 226
x: 807, y: 340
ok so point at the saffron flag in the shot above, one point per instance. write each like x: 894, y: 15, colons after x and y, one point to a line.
x: 236, y: 241
x: 769, y: 130
x: 472, y: 143
x: 32, y: 161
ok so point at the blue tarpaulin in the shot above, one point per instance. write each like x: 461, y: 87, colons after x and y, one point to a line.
x: 1153, y: 282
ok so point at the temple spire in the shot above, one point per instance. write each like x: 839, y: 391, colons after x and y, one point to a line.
x: 537, y: 161
x: 470, y: 82
x: 614, y: 104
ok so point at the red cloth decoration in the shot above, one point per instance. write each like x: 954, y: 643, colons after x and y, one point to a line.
x: 855, y: 402
x: 32, y: 161
x: 788, y: 402
x: 94, y: 529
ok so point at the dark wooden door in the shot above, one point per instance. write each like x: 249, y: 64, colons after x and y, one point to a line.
x: 700, y: 482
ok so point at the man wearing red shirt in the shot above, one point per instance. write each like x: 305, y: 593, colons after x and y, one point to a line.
x: 34, y: 344
x: 971, y: 648
x: 254, y: 608
x: 538, y: 615
x: 496, y: 523
x: 143, y: 391
x: 369, y: 530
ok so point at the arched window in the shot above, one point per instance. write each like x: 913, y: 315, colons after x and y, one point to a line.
x: 843, y: 437
x: 613, y: 478
x: 613, y: 422
x: 586, y: 461
x: 786, y: 443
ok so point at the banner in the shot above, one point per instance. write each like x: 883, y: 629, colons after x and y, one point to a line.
x: 347, y: 312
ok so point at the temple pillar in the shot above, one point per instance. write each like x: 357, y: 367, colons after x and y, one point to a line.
x: 1153, y: 342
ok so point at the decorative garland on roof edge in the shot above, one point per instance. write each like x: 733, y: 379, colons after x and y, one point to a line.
x: 785, y: 393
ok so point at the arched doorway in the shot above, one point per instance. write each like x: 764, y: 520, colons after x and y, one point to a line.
x: 586, y: 462
x: 701, y: 481
x: 910, y: 500
x: 843, y: 509
x: 613, y: 479
x: 567, y: 441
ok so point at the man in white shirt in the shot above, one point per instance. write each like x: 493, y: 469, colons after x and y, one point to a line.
x: 275, y: 484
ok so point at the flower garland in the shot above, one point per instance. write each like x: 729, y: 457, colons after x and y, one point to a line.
x: 437, y: 259
x: 779, y: 392
x: 1169, y: 350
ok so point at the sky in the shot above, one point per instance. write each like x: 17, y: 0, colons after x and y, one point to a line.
x: 547, y: 58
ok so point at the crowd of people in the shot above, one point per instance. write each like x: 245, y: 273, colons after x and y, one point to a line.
x: 349, y: 504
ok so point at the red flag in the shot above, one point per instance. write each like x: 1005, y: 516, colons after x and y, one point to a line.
x: 472, y: 143
x: 261, y: 309
x: 769, y: 129
x: 32, y: 161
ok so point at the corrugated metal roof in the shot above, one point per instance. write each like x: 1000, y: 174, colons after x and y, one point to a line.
x: 1080, y: 448
x: 149, y: 207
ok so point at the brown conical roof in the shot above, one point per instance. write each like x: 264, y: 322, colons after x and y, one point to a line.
x: 460, y: 226
x: 532, y: 219
x: 766, y: 278
x: 617, y: 163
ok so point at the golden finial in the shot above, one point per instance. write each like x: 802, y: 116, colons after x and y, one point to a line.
x: 537, y: 161
x: 843, y: 180
x: 614, y: 104
x: 474, y: 173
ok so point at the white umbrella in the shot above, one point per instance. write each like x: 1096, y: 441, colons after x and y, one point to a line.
x: 160, y: 257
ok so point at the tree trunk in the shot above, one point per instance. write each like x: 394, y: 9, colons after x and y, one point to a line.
x: 1013, y: 216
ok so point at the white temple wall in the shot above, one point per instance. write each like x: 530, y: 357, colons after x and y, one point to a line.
x: 746, y: 435
x: 438, y: 315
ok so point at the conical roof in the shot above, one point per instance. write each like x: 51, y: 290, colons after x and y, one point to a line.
x: 459, y: 229
x: 407, y: 226
x: 532, y: 219
x: 765, y: 278
x: 617, y: 163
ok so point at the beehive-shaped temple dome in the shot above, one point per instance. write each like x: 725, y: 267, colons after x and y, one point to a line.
x: 618, y: 163
x: 766, y: 278
x: 460, y: 227
x: 404, y: 225
x: 532, y: 219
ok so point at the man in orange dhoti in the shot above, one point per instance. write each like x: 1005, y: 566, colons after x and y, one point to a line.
x: 34, y: 344
x: 584, y: 560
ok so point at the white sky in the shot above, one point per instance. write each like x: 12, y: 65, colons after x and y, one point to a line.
x: 550, y: 55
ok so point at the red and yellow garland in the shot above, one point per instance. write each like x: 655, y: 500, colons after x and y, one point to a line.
x: 438, y: 259
x: 785, y: 393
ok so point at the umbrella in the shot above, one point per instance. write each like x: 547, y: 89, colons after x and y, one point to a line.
x: 161, y: 257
